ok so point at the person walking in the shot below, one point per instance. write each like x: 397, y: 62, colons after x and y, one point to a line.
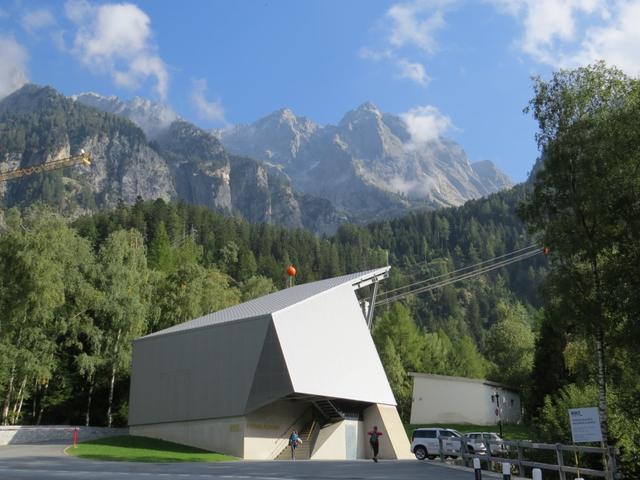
x: 294, y: 441
x: 373, y: 441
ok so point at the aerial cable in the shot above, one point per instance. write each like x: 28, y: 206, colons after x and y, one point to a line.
x: 450, y: 281
x: 458, y: 278
x: 447, y: 274
x: 426, y: 262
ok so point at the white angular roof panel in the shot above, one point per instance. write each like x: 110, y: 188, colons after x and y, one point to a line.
x: 329, y: 351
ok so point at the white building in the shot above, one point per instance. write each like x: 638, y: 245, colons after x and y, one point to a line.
x: 240, y: 380
x: 443, y: 399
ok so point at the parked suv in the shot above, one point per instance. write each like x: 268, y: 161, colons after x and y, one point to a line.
x: 424, y: 443
x: 484, y: 437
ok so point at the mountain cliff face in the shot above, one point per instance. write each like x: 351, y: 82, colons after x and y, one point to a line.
x: 182, y: 162
x: 369, y: 164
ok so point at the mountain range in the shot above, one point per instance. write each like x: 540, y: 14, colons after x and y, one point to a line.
x: 368, y: 165
x: 282, y: 169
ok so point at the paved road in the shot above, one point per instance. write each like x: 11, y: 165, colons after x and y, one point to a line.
x: 40, y: 462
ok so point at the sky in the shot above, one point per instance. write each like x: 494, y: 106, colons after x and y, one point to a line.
x: 458, y: 68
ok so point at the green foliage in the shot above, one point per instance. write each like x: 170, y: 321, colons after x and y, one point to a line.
x: 199, y: 261
x: 398, y: 378
x: 510, y: 345
x: 586, y: 206
x: 553, y: 423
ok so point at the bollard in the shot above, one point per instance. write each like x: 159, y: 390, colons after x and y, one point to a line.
x: 536, y: 474
x: 477, y: 469
x: 506, y: 471
x: 75, y: 437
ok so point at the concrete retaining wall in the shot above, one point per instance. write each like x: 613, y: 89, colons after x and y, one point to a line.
x: 17, y: 434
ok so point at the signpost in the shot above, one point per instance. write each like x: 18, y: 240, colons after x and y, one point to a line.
x: 585, y: 425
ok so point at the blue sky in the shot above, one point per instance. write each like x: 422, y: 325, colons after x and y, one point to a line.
x: 461, y: 68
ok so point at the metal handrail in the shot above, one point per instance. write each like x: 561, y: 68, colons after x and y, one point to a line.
x: 282, y: 437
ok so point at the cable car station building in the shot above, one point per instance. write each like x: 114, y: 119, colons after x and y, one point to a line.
x: 240, y: 380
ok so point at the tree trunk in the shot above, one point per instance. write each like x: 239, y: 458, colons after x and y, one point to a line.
x: 7, y: 397
x: 600, y: 351
x: 36, y: 389
x: 42, y: 402
x: 111, y: 385
x: 17, y: 406
x: 18, y: 411
x: 602, y: 386
x: 87, y: 413
x: 113, y: 377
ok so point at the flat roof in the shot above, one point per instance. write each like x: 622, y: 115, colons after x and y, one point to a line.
x: 462, y: 379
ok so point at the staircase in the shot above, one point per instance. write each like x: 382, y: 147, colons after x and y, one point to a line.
x: 303, y: 452
x: 328, y: 410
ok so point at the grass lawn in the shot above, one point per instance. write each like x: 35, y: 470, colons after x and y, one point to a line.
x: 509, y: 432
x: 127, y: 448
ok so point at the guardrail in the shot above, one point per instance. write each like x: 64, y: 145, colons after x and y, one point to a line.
x: 513, y: 452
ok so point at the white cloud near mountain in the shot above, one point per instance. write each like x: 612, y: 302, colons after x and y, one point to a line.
x: 37, y: 19
x: 117, y: 39
x: 209, y: 110
x: 13, y: 65
x: 425, y: 124
x: 571, y: 33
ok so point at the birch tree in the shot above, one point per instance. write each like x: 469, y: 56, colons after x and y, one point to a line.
x: 123, y: 282
x: 586, y: 195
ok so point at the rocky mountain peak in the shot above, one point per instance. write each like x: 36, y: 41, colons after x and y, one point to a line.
x: 368, y: 111
x: 154, y: 118
x: 368, y: 164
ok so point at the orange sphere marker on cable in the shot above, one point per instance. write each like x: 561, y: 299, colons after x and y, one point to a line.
x: 291, y: 271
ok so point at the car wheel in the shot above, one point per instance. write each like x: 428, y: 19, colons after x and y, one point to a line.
x: 420, y: 452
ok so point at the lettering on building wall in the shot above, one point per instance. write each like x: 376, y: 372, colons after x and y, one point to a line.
x: 263, y: 426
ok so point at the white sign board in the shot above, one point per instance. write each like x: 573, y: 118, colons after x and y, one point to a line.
x: 585, y: 425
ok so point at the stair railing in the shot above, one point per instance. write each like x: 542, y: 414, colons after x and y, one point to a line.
x: 281, y: 441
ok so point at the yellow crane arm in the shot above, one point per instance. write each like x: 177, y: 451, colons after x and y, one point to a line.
x: 83, y: 158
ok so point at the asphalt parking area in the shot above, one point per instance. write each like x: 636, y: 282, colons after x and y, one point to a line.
x: 40, y: 462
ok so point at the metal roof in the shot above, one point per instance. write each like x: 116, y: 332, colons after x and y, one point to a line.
x: 277, y: 301
x: 461, y: 379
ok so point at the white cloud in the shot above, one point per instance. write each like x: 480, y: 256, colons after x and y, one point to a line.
x: 415, y: 23
x: 570, y: 33
x: 13, y: 71
x: 210, y: 110
x: 425, y: 124
x: 375, y: 55
x: 409, y: 26
x: 618, y: 42
x: 37, y: 19
x: 412, y: 71
x: 117, y: 39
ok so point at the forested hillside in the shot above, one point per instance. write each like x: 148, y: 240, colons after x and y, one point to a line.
x: 140, y: 268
